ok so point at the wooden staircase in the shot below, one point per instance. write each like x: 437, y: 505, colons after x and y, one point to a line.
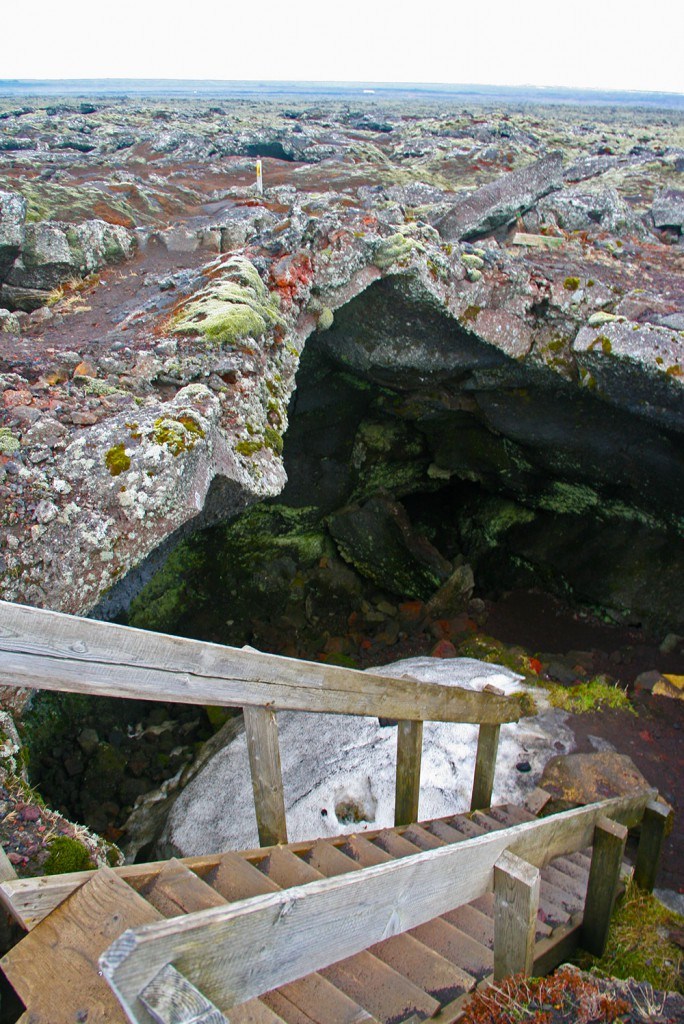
x: 422, y: 973
x: 393, y: 926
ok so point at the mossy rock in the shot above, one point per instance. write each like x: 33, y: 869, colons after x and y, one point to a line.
x: 237, y: 305
x: 66, y: 855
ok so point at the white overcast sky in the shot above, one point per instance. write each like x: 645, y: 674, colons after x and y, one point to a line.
x: 589, y: 43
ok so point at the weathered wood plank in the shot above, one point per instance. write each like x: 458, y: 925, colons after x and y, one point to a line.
x: 485, y: 766
x: 516, y: 902
x: 52, y: 651
x: 604, y: 876
x: 250, y: 947
x: 171, y: 999
x: 54, y: 969
x: 29, y: 900
x: 409, y: 754
x: 650, y: 844
x: 267, y: 779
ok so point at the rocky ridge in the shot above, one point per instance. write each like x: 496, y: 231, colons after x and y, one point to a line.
x: 541, y: 360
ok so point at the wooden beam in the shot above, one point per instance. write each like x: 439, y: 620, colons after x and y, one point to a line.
x: 516, y: 902
x: 234, y: 953
x: 171, y: 999
x: 650, y: 844
x: 50, y: 651
x: 604, y: 876
x: 409, y: 754
x: 267, y: 780
x: 485, y: 766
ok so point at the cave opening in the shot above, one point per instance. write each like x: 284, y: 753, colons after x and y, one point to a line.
x: 425, y: 466
x: 442, y: 499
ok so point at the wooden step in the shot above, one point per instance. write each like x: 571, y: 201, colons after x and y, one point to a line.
x: 364, y: 975
x: 463, y: 824
x: 54, y: 969
x: 456, y: 946
x: 177, y: 890
x: 424, y: 967
x: 365, y: 853
x: 441, y: 830
x: 312, y: 999
x: 421, y: 838
x: 397, y: 846
x: 474, y: 923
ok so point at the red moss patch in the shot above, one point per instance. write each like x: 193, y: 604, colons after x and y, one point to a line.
x: 566, y: 997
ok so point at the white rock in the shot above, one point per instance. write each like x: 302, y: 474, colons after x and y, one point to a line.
x: 329, y: 761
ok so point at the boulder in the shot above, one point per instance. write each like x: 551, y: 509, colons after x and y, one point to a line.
x: 668, y: 209
x: 454, y: 595
x: 339, y: 770
x: 378, y: 540
x: 12, y: 218
x: 53, y: 252
x: 574, y: 780
x: 501, y: 201
x: 574, y: 209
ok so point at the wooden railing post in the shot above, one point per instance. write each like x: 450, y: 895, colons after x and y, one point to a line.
x: 485, y: 766
x: 409, y: 753
x: 604, y: 875
x: 650, y: 844
x: 267, y: 779
x: 516, y: 902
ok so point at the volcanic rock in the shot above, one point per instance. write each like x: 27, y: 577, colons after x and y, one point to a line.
x: 574, y: 780
x: 12, y: 217
x: 668, y: 209
x: 501, y: 201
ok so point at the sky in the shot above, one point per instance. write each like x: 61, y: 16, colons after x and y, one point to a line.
x: 579, y: 43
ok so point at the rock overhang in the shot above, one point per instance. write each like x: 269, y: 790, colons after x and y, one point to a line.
x: 403, y: 308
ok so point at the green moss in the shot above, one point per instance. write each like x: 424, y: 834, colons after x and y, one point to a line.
x: 95, y: 386
x: 325, y: 319
x: 179, y: 435
x: 66, y: 855
x: 604, y: 342
x: 472, y: 262
x: 117, y: 461
x: 9, y: 444
x: 569, y: 499
x: 235, y: 306
x: 589, y: 696
x: 248, y: 447
x: 638, y: 945
x: 273, y: 440
x: 571, y: 284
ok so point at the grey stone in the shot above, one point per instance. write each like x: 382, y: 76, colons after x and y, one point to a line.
x: 668, y: 209
x: 574, y: 209
x: 501, y: 201
x: 12, y: 218
x: 53, y: 252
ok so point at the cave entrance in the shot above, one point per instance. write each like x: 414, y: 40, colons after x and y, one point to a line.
x: 439, y: 495
x: 425, y: 469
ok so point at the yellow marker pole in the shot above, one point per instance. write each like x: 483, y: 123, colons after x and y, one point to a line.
x: 259, y: 178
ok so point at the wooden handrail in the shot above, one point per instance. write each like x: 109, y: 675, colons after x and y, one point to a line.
x: 234, y: 953
x: 52, y: 651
